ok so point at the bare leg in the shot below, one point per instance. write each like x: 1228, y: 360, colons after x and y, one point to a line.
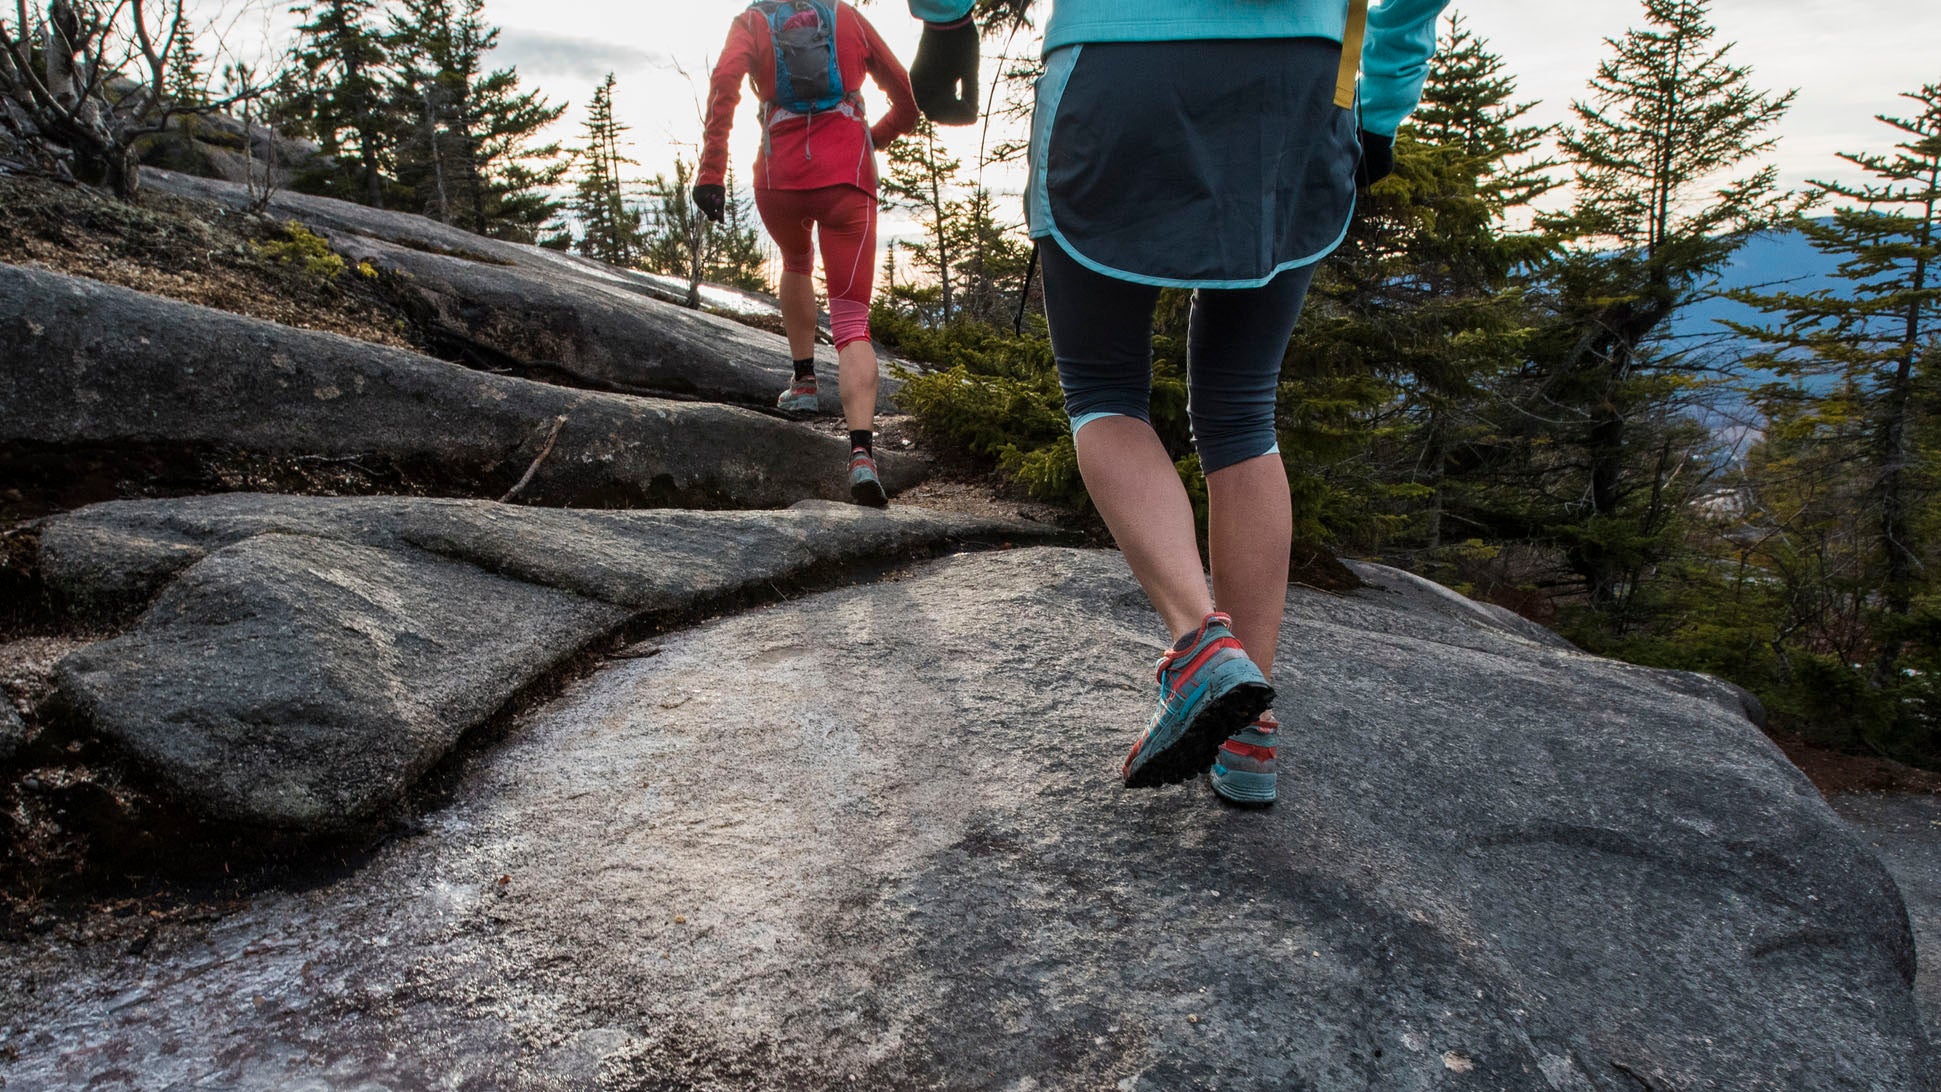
x: 799, y: 313
x: 1250, y: 530
x: 857, y: 382
x: 1135, y: 488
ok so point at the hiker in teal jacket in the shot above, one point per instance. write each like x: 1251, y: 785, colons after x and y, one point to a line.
x: 1394, y: 56
x: 1216, y: 146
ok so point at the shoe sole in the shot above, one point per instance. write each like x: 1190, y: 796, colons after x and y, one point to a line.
x: 1193, y: 751
x: 869, y: 493
x: 1247, y: 790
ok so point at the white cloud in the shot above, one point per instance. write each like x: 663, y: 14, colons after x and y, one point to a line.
x: 542, y: 56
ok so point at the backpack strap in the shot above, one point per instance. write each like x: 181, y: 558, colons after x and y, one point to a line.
x: 1344, y: 77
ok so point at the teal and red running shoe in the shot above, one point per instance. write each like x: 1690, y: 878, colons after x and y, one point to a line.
x: 1208, y: 690
x: 1243, y: 768
x: 800, y: 397
x: 864, y: 486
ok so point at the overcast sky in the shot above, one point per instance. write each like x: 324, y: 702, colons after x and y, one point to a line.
x: 1848, y: 62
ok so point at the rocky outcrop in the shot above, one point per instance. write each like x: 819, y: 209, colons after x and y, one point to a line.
x: 99, y: 368
x: 873, y: 838
x: 305, y: 660
x: 553, y: 313
x: 221, y: 147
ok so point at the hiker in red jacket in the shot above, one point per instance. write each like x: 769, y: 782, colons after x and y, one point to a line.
x: 816, y: 173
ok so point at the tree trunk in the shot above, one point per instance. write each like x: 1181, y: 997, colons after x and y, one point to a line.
x: 1606, y: 451
x: 437, y: 161
x: 1896, y: 506
x: 1897, y: 585
x: 373, y: 184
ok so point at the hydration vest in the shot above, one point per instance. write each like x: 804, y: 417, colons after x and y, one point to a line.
x: 808, y: 73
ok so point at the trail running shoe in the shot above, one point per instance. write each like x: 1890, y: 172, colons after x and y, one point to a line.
x: 864, y: 487
x: 799, y: 398
x: 1243, y: 768
x: 1208, y: 690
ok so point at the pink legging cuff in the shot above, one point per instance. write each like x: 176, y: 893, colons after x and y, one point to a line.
x: 848, y: 322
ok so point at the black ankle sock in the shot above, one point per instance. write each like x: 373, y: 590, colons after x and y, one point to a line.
x: 863, y: 438
x: 805, y: 369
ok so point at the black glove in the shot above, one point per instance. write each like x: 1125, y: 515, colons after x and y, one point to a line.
x: 944, y: 75
x: 712, y: 201
x: 1377, y: 159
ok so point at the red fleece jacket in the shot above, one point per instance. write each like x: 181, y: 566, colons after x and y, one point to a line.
x: 835, y: 147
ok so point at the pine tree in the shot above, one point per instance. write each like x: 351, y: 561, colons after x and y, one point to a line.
x: 681, y: 243
x: 609, y: 230
x: 470, y: 157
x: 991, y: 260
x: 188, y: 74
x: 1468, y: 104
x: 923, y: 179
x: 1459, y: 275
x: 675, y: 236
x: 335, y: 93
x: 1667, y: 116
x: 737, y: 254
x: 1865, y: 347
x: 1415, y: 320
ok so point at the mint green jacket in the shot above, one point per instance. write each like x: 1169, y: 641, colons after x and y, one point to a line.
x: 1394, y: 55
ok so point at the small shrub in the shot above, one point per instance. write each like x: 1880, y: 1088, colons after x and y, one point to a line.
x: 995, y: 395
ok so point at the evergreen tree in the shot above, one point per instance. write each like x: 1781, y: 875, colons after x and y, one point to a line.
x: 1468, y: 104
x: 991, y: 260
x: 737, y: 254
x: 188, y: 73
x: 609, y: 230
x: 1855, y: 357
x: 1415, y: 320
x: 469, y: 156
x: 923, y: 179
x: 335, y: 93
x: 1653, y: 219
x: 680, y: 242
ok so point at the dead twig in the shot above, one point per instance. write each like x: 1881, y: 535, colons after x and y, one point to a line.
x: 545, y: 450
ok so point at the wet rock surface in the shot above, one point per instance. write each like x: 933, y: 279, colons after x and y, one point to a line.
x: 97, y: 368
x: 873, y: 836
x: 590, y: 323
x: 305, y: 660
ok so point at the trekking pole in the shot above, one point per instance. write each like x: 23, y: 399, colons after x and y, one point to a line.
x: 1024, y: 297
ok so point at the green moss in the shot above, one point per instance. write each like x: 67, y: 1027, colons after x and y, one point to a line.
x: 299, y: 246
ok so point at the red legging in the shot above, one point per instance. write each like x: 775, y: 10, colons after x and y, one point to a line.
x: 846, y: 217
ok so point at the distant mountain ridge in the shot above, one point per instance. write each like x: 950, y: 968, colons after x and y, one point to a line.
x: 1774, y: 261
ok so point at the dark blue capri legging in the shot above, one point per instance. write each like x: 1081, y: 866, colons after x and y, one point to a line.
x: 1101, y: 333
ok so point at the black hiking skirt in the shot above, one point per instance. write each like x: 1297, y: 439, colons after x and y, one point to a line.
x: 1193, y: 164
